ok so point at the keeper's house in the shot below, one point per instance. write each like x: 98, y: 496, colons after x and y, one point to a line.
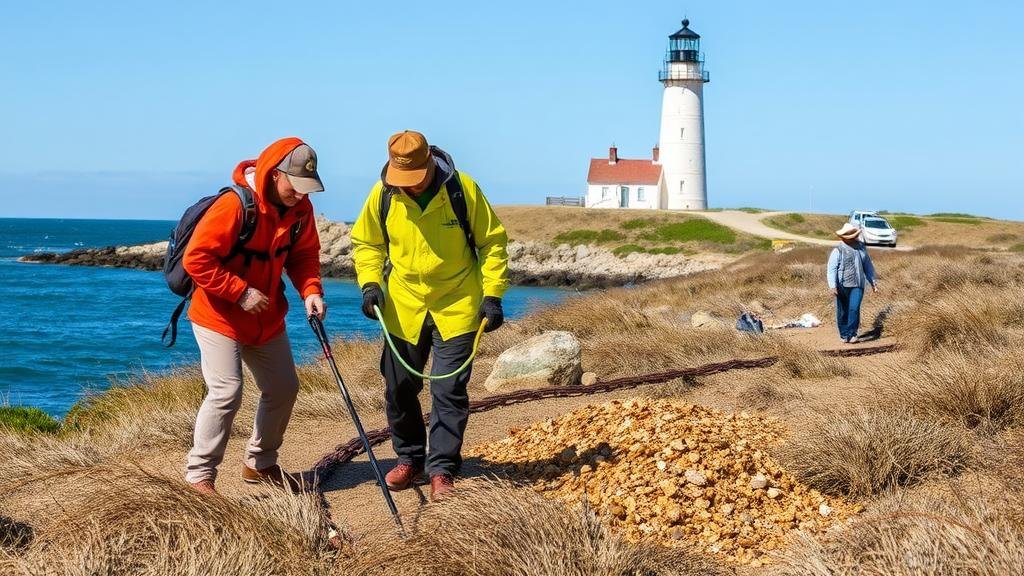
x: 614, y: 182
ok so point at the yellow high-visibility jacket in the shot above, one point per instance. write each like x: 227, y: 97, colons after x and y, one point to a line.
x: 433, y: 269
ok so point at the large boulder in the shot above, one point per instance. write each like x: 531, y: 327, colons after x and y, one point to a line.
x: 551, y: 359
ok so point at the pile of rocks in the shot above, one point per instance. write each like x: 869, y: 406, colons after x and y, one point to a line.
x: 680, y: 474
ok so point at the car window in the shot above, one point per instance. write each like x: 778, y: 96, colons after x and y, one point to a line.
x: 876, y: 223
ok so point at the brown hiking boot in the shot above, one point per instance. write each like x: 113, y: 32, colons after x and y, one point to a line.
x: 204, y: 487
x: 273, y: 475
x: 402, y: 476
x: 441, y: 486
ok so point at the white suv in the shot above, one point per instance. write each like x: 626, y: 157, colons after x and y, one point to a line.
x: 874, y: 229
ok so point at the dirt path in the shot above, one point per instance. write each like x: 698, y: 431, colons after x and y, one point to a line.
x: 751, y: 224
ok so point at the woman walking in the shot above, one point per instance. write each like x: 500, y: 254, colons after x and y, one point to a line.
x: 849, y: 269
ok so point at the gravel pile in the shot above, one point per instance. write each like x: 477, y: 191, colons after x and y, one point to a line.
x: 680, y: 474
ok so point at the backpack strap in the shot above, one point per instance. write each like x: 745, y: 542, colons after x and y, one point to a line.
x: 385, y: 206
x: 249, y: 216
x: 457, y: 198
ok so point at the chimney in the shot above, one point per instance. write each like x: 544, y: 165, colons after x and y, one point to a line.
x: 613, y: 155
x: 655, y: 154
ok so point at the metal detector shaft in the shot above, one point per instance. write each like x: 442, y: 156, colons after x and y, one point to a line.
x: 321, y: 335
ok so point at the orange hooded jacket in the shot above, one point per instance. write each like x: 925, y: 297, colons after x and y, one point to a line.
x: 219, y: 284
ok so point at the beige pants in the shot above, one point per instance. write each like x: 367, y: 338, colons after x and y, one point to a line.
x: 273, y: 370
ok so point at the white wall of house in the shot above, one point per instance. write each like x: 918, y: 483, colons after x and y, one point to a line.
x: 640, y: 197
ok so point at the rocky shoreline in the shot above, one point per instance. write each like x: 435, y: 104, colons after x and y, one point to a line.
x: 530, y: 263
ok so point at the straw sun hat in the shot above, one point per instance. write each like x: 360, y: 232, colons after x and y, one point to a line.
x: 848, y: 231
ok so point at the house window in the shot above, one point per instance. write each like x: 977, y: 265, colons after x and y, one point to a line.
x: 640, y: 194
x: 681, y: 130
x: 604, y: 192
x: 624, y: 197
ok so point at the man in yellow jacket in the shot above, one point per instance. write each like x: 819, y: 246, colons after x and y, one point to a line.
x: 431, y: 254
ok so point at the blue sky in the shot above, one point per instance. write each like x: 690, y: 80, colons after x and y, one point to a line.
x: 133, y: 110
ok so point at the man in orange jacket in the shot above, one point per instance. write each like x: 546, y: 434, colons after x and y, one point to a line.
x: 239, y: 305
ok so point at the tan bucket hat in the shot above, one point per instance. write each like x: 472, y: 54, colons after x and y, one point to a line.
x: 409, y: 160
x: 848, y: 231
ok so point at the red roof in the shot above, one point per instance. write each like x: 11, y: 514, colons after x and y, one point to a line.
x: 623, y: 172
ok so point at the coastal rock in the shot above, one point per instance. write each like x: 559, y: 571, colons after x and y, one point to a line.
x: 551, y: 359
x: 531, y: 263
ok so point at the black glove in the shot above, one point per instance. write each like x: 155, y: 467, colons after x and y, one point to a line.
x: 372, y: 296
x: 491, y: 309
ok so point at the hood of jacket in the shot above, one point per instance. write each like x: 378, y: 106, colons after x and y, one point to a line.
x: 256, y: 174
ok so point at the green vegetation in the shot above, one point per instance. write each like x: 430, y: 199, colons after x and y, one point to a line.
x: 1017, y: 248
x: 696, y: 230
x: 903, y: 223
x: 813, y: 225
x: 953, y: 215
x: 1002, y: 238
x: 627, y: 249
x: 23, y: 419
x: 971, y: 220
x: 586, y: 236
x: 750, y: 210
x: 637, y: 223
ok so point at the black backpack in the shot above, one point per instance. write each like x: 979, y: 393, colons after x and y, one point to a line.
x: 456, y: 197
x: 174, y: 272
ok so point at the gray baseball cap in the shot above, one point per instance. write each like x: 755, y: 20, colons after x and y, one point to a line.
x: 300, y: 166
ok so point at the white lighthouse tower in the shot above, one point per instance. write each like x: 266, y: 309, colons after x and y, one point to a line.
x: 682, y: 123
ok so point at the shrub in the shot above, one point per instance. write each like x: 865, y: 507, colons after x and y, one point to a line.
x: 25, y: 419
x: 983, y: 390
x: 637, y: 223
x: 695, y: 230
x: 494, y: 529
x: 122, y: 520
x: 953, y: 536
x: 627, y: 249
x: 864, y: 452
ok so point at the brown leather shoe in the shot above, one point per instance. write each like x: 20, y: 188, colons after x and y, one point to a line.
x: 402, y: 476
x: 204, y: 487
x: 441, y: 486
x: 273, y: 475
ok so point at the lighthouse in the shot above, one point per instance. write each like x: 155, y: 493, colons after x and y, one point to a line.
x: 681, y: 143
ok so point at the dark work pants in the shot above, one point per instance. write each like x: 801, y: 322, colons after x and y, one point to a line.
x: 848, y: 311
x: 450, y: 410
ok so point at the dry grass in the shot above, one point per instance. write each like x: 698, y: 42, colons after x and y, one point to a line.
x: 124, y: 520
x: 864, y: 452
x: 963, y: 320
x: 494, y: 529
x: 949, y: 536
x: 982, y: 390
x: 806, y: 364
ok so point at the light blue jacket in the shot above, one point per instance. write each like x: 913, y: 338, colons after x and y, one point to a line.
x: 865, y: 270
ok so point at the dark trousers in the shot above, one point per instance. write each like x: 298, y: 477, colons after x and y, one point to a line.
x: 848, y: 311
x: 450, y: 409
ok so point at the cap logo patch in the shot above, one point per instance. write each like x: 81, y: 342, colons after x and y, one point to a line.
x: 311, y: 165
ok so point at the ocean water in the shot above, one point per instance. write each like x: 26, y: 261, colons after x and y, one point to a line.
x: 68, y: 330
